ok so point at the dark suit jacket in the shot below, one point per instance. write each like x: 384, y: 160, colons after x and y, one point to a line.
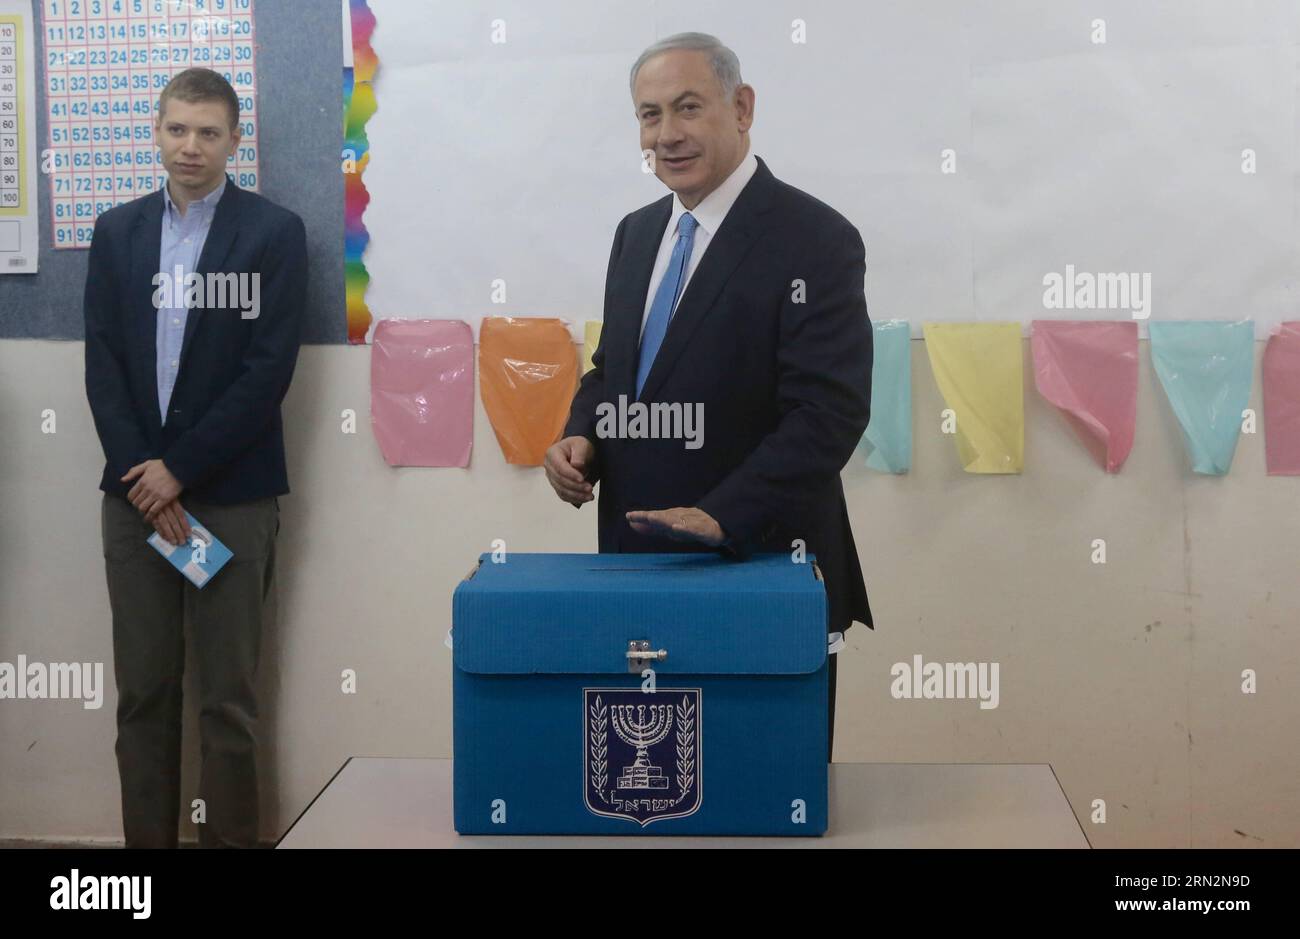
x: 785, y: 385
x: 223, y: 438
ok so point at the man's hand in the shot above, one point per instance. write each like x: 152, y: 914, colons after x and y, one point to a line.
x: 171, y: 523
x: 154, y: 489
x: 567, y: 465
x: 680, y: 524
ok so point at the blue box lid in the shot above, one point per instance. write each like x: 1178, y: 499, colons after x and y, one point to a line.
x: 577, y: 613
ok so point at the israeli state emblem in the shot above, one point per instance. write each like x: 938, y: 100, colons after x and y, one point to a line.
x: 642, y: 753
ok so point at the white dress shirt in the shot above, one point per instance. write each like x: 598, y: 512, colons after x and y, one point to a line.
x: 712, y: 209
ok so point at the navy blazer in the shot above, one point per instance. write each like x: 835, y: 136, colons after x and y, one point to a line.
x: 783, y: 374
x: 223, y: 438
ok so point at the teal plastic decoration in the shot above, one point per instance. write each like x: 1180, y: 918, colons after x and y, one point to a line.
x: 888, y: 438
x: 1206, y: 369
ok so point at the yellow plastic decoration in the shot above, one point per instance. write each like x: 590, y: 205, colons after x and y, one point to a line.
x: 590, y: 340
x: 979, y: 368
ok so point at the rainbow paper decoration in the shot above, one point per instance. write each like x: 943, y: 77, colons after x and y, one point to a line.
x: 358, y: 107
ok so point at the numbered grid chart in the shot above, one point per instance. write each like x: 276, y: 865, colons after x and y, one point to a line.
x: 11, y: 110
x: 106, y: 63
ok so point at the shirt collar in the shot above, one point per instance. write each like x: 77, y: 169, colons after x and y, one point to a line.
x: 207, y: 202
x: 714, y: 207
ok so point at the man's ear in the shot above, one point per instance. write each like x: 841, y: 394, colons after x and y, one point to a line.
x: 744, y: 103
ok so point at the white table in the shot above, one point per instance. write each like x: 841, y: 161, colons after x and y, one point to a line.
x: 406, y: 803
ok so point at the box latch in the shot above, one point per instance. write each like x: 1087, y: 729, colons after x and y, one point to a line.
x: 639, y: 655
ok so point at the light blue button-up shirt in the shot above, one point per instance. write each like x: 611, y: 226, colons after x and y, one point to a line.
x: 183, y: 237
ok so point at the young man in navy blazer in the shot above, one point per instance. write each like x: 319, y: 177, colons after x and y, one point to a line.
x: 194, y: 305
x: 742, y: 297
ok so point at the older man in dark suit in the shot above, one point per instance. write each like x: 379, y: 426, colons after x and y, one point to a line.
x: 740, y: 296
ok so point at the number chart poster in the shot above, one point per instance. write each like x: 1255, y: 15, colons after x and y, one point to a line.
x: 106, y: 63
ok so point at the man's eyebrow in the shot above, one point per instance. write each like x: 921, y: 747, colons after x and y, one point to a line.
x: 678, y: 100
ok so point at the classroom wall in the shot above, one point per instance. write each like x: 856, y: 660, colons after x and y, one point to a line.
x: 1125, y: 677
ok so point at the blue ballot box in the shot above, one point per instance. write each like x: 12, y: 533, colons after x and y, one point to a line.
x: 626, y: 694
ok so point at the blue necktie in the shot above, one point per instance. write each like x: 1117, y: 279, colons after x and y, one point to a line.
x: 670, y: 289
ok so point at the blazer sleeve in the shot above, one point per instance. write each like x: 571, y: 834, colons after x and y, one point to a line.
x: 252, y: 401
x: 824, y: 360
x: 108, y: 391
x: 591, y: 391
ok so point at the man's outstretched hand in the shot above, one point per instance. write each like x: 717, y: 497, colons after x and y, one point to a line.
x: 680, y: 524
x: 567, y: 465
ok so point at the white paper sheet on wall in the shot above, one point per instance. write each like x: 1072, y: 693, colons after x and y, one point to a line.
x: 1168, y: 170
x: 348, y: 54
x: 977, y: 147
x: 19, y: 221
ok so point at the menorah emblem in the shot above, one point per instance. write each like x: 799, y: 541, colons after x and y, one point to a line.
x: 628, y: 728
x: 642, y: 726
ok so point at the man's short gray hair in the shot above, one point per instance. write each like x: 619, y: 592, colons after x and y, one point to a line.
x: 726, y: 66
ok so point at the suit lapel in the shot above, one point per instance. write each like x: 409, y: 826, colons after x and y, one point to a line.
x: 631, y: 295
x: 726, y: 250
x: 146, y: 251
x: 221, y: 237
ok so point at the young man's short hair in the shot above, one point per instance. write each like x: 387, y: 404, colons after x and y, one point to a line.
x: 195, y: 85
